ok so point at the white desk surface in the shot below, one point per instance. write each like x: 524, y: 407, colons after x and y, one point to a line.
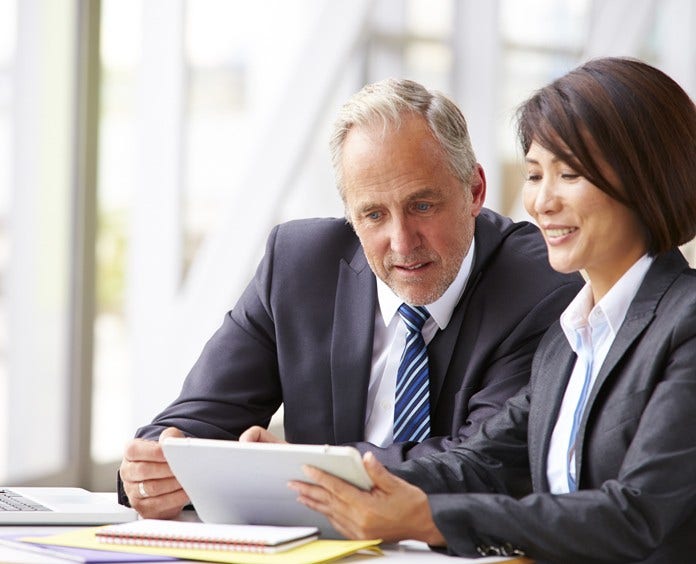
x: 407, y: 551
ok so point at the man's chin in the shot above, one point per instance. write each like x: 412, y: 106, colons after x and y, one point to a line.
x: 415, y: 296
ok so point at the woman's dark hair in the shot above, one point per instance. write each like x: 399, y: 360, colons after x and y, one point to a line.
x: 637, y: 120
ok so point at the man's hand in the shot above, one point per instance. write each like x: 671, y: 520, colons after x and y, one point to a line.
x: 258, y: 434
x: 152, y: 489
x: 393, y: 510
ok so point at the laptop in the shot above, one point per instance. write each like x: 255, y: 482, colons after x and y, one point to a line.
x: 246, y: 483
x: 60, y: 506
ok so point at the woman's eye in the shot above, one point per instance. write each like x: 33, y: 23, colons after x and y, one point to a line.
x: 533, y: 177
x: 569, y: 176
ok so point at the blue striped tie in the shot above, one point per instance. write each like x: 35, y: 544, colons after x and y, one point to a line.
x: 412, y: 406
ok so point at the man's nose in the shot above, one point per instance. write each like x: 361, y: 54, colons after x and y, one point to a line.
x: 404, y: 237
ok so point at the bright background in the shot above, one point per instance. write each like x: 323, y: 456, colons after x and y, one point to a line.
x: 148, y: 146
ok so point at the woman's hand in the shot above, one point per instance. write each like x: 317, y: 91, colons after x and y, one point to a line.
x: 393, y: 510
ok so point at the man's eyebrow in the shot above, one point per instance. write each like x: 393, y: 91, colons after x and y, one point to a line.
x: 365, y: 207
x: 425, y: 193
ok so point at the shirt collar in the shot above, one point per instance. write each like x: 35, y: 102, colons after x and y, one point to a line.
x: 441, y: 310
x: 611, y: 308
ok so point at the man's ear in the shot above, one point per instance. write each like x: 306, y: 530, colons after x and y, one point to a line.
x: 478, y: 190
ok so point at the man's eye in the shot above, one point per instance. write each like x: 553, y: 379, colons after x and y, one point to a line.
x: 423, y: 206
x: 374, y: 216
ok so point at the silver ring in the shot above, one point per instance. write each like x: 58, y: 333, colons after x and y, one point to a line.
x: 141, y: 489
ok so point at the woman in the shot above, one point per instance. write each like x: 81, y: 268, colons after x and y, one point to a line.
x: 596, y: 459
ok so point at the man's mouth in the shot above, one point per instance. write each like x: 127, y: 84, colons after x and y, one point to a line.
x: 411, y: 266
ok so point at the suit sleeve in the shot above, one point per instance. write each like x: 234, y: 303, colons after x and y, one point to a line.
x: 219, y: 398
x: 505, y: 373
x: 626, y: 519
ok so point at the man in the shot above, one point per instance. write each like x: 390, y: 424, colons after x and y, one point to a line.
x: 317, y: 329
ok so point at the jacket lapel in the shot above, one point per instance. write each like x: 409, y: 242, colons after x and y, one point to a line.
x: 351, y: 347
x: 458, y: 332
x: 547, y: 396
x: 442, y: 347
x: 639, y: 315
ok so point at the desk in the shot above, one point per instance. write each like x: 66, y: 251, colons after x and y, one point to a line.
x: 408, y: 551
x: 413, y: 552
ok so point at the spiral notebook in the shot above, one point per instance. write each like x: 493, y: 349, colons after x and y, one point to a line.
x: 206, y: 536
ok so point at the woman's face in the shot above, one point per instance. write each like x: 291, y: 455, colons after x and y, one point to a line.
x: 584, y: 228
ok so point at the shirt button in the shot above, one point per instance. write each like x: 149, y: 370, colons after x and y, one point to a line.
x: 386, y: 405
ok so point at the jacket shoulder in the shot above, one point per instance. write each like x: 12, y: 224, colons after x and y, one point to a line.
x: 517, y: 249
x: 316, y: 233
x: 313, y: 246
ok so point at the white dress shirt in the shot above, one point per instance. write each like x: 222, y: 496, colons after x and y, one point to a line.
x: 590, y: 332
x: 389, y: 342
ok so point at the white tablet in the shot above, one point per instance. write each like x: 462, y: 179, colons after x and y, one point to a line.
x: 246, y: 483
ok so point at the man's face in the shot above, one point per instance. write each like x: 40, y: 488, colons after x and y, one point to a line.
x: 414, y: 218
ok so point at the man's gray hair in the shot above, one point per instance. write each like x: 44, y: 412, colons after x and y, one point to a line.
x: 386, y: 102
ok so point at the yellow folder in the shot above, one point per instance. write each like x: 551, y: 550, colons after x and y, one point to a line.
x: 311, y: 553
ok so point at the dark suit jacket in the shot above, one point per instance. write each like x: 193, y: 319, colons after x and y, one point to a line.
x: 636, y: 466
x: 302, y: 334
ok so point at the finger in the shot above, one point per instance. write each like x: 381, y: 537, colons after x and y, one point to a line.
x: 258, y: 434
x: 320, y: 499
x: 317, y: 494
x: 335, y: 510
x: 338, y: 487
x: 325, y: 480
x: 334, y: 497
x: 139, y: 471
x: 165, y: 506
x: 252, y: 435
x: 151, y: 489
x: 171, y: 432
x: 143, y: 450
x: 154, y: 488
x: 380, y: 476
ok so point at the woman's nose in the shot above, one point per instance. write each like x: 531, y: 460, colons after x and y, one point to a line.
x: 543, y: 198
